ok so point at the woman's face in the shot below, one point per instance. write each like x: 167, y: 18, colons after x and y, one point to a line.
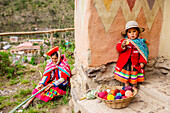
x: 132, y: 33
x: 54, y: 59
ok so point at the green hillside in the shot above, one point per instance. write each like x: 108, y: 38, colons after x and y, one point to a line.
x: 26, y: 15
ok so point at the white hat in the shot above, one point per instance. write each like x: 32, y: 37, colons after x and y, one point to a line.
x: 132, y: 24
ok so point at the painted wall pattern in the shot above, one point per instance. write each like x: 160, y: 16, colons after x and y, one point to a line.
x: 99, y: 23
x: 107, y: 9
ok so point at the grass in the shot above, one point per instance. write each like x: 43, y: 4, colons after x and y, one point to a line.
x: 32, y: 70
x: 20, y: 72
x: 66, y: 97
x: 15, y: 96
x: 2, y: 98
x: 23, y: 92
x: 12, y: 82
x: 29, y: 82
x: 1, y: 84
x: 33, y: 110
x: 4, y: 101
x: 43, y: 107
x: 24, y: 81
x: 2, y: 88
x: 37, y: 9
x: 29, y: 76
x: 34, y: 84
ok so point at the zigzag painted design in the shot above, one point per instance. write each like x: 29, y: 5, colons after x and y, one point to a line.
x: 130, y: 13
x: 151, y: 2
x: 108, y: 4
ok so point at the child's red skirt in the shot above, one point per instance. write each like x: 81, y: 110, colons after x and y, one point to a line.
x: 129, y: 74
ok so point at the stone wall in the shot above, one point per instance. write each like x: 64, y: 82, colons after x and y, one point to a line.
x: 98, y: 26
x: 85, y: 78
x: 164, y: 46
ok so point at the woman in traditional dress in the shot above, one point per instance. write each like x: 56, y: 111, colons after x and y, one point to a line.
x: 56, y: 76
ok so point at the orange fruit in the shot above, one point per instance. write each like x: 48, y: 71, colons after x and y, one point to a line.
x: 112, y: 91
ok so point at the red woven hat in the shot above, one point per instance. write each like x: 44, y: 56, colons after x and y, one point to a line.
x: 52, y: 50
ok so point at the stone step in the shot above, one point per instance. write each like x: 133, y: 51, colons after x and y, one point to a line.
x: 158, y: 88
x: 138, y: 105
x: 142, y: 103
x: 145, y: 103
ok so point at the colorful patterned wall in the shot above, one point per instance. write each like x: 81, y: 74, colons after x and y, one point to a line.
x: 98, y: 25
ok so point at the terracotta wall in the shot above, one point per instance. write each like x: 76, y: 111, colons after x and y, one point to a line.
x: 98, y: 24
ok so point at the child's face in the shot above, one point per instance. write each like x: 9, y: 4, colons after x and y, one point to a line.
x: 132, y: 33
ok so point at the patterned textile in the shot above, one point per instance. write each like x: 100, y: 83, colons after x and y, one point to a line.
x: 62, y: 70
x: 49, y: 95
x: 129, y: 74
x: 140, y: 44
x: 64, y: 66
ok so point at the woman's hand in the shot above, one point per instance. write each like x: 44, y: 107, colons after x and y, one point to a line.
x: 49, y: 86
x: 142, y: 65
x: 40, y: 86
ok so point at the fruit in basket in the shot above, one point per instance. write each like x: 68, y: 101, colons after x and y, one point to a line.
x: 118, y: 97
x: 112, y: 91
x: 124, y: 97
x: 128, y: 88
x: 101, y: 94
x: 108, y: 90
x: 110, y: 97
x: 128, y: 93
x: 105, y: 92
x: 116, y: 91
x: 119, y: 94
x: 123, y: 88
x: 105, y: 97
x: 122, y: 92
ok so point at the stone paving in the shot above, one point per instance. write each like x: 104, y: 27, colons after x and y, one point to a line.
x: 153, y: 97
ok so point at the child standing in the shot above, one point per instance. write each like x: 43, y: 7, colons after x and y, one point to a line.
x: 133, y: 55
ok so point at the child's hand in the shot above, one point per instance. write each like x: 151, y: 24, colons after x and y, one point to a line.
x: 142, y: 65
x: 123, y: 43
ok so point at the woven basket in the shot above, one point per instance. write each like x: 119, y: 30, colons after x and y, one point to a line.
x: 118, y: 103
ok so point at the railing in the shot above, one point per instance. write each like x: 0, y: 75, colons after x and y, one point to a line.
x: 38, y: 32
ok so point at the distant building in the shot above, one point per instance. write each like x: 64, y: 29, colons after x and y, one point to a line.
x: 26, y: 50
x: 14, y: 39
x: 2, y: 44
x: 5, y: 43
x: 25, y: 44
x: 6, y: 47
x: 39, y: 41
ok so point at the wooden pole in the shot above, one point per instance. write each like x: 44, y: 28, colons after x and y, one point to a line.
x: 27, y: 100
x: 36, y: 32
x: 51, y: 38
